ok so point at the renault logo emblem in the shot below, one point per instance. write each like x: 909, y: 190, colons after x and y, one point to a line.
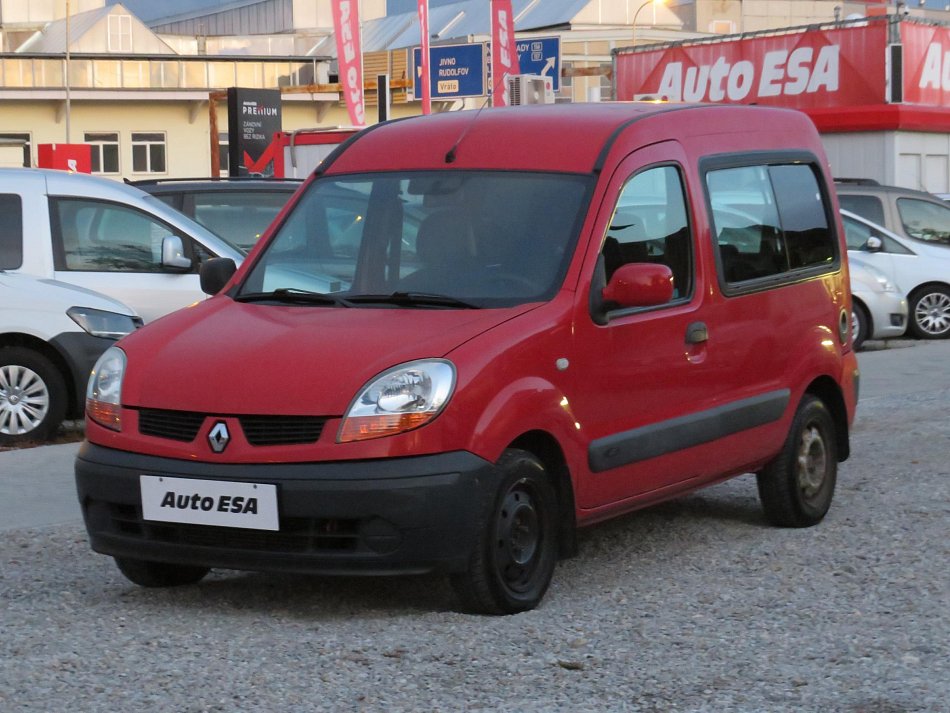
x: 219, y: 437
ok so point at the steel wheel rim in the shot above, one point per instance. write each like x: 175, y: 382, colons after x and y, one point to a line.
x: 517, y: 538
x: 933, y: 313
x: 24, y: 400
x: 812, y: 462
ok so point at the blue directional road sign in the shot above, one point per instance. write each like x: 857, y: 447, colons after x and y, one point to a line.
x: 455, y: 71
x: 540, y: 55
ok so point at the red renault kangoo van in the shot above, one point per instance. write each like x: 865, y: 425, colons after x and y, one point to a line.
x: 470, y: 334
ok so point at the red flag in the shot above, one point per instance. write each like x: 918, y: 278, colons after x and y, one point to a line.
x: 504, y: 56
x: 426, y: 78
x: 346, y: 25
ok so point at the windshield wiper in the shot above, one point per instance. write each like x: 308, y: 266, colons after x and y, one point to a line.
x: 413, y: 299
x: 293, y: 295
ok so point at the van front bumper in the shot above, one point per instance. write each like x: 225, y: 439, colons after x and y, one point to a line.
x: 401, y: 515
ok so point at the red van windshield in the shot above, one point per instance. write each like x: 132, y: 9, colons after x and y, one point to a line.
x: 485, y: 237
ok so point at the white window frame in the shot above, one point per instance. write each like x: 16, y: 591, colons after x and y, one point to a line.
x: 148, y: 143
x: 120, y: 33
x: 97, y: 145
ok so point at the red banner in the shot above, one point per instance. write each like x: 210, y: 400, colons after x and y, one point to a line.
x: 504, y: 57
x: 815, y: 68
x: 926, y: 64
x: 346, y: 25
x: 426, y: 78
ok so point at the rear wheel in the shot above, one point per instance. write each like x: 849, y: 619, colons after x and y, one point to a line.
x: 797, y: 487
x: 159, y: 574
x: 32, y: 396
x: 860, y: 324
x: 930, y: 312
x: 516, y: 551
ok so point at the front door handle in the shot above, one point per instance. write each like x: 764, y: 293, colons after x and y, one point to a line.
x: 697, y: 333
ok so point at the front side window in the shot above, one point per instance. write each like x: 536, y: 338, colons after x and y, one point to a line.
x: 857, y: 234
x: 148, y: 152
x: 91, y: 235
x: 439, y: 238
x: 769, y: 220
x: 11, y: 232
x: 925, y: 220
x: 104, y: 150
x: 649, y: 225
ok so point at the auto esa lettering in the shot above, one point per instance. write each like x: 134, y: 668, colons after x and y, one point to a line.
x: 222, y: 503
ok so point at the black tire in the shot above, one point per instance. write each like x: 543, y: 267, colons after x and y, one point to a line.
x: 32, y: 396
x: 160, y: 574
x: 516, y: 549
x: 797, y: 487
x: 930, y: 312
x: 860, y: 324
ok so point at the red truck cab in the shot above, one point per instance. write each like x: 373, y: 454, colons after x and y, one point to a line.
x: 470, y: 334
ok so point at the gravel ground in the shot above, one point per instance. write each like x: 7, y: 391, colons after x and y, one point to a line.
x: 695, y: 605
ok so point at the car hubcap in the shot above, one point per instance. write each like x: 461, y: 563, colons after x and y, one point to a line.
x: 812, y: 462
x: 24, y: 400
x: 933, y: 313
x: 517, y: 537
x: 855, y: 327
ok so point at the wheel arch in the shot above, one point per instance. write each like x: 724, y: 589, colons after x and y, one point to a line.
x: 926, y: 285
x: 547, y: 449
x: 27, y: 341
x: 825, y: 388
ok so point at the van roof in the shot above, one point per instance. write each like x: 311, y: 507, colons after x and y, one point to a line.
x: 570, y: 138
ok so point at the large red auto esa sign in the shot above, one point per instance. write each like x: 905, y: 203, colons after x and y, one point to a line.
x: 817, y: 68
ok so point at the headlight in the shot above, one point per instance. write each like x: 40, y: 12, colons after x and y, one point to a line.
x: 398, y: 400
x: 100, y: 323
x: 104, y: 391
x: 886, y: 285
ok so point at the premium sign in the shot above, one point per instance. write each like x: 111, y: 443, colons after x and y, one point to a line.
x: 253, y: 119
x: 816, y: 68
x: 926, y: 54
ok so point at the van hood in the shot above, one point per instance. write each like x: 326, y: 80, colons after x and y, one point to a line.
x: 227, y: 357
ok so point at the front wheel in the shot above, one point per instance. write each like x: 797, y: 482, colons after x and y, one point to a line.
x: 930, y: 313
x: 516, y: 549
x: 797, y: 487
x: 159, y: 574
x: 32, y: 396
x: 860, y: 324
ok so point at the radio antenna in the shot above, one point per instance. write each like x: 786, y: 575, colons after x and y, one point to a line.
x: 450, y: 155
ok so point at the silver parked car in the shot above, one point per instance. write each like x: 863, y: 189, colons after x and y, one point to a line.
x: 878, y: 309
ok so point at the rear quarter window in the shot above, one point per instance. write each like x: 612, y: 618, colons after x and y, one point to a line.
x: 868, y: 207
x: 11, y: 232
x: 769, y: 221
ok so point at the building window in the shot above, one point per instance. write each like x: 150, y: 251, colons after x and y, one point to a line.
x: 223, y: 154
x: 565, y: 91
x: 148, y: 152
x: 120, y: 33
x: 105, y: 151
x: 22, y: 140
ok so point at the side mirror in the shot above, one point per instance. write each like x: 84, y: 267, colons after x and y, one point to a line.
x: 215, y: 273
x: 640, y: 284
x: 874, y: 244
x: 173, y: 254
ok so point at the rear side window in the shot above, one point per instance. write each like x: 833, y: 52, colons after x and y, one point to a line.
x: 769, y: 220
x: 868, y: 207
x: 11, y: 232
x: 925, y: 220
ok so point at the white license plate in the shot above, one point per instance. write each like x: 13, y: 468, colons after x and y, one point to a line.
x: 209, y: 502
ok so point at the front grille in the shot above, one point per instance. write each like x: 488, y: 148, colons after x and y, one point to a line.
x: 296, y: 535
x: 281, y: 430
x: 258, y: 430
x: 174, y: 425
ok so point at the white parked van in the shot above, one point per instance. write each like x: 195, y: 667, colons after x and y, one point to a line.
x: 51, y: 334
x: 104, y: 236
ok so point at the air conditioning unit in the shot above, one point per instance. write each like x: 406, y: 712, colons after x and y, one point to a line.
x: 530, y: 89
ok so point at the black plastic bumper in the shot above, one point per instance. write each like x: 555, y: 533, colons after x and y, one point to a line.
x: 405, y: 515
